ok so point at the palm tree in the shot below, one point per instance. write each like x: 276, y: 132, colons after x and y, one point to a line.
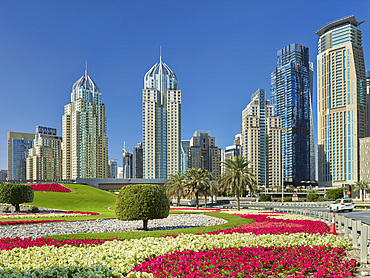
x: 175, y: 186
x: 362, y: 185
x: 196, y: 181
x: 237, y: 175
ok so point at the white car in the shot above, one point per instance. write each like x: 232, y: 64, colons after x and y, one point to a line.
x: 342, y: 205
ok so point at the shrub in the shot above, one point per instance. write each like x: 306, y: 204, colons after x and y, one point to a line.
x: 287, y: 199
x: 336, y: 193
x: 16, y: 194
x: 142, y: 202
x: 265, y: 198
x: 312, y: 197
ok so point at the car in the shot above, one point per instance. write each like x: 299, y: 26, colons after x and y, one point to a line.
x: 342, y: 205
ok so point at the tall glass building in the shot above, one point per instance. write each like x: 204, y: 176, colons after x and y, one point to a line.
x: 341, y: 101
x: 161, y: 122
x: 85, y: 142
x: 18, y: 146
x: 291, y: 94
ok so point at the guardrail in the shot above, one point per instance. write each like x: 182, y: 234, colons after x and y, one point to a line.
x: 355, y: 230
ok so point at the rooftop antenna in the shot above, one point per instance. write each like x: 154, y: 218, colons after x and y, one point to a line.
x: 86, y: 68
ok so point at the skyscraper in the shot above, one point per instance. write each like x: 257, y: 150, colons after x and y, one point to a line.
x: 291, y: 94
x: 261, y: 140
x: 127, y: 164
x: 44, y: 161
x: 113, y: 168
x: 185, y: 144
x: 137, y: 161
x: 203, y: 153
x: 18, y: 146
x: 161, y: 122
x: 85, y: 142
x: 341, y: 101
x: 368, y: 102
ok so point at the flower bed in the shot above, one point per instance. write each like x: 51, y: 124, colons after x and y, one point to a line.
x: 193, y: 209
x: 4, y: 223
x: 54, y: 187
x: 11, y: 243
x: 251, y: 262
x: 45, y: 215
x: 268, y: 247
x: 117, y: 258
x: 266, y: 225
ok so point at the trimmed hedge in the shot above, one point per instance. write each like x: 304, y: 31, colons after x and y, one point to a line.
x: 16, y: 194
x: 265, y: 198
x: 142, y: 202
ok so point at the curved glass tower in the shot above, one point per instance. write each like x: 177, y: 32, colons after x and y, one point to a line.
x: 161, y: 122
x: 85, y: 142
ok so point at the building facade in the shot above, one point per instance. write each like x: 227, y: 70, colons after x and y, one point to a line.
x: 185, y: 144
x: 44, y: 161
x: 161, y: 122
x: 341, y: 101
x: 113, y: 165
x: 85, y: 142
x: 3, y: 175
x: 203, y: 153
x: 137, y: 161
x: 261, y: 140
x: 291, y: 95
x: 368, y: 102
x: 127, y: 164
x: 231, y: 151
x: 18, y: 146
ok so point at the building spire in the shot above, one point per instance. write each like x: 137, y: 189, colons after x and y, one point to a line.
x: 160, y: 54
x: 86, y: 68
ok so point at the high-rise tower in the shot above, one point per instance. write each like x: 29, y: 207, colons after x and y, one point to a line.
x: 341, y: 101
x: 261, y: 143
x: 85, y: 142
x: 161, y: 122
x: 291, y: 94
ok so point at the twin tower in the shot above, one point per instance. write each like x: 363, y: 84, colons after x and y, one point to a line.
x: 85, y: 142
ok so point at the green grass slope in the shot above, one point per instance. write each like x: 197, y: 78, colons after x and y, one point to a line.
x: 85, y: 198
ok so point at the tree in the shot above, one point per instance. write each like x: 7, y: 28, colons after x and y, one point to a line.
x: 16, y: 194
x: 336, y: 193
x: 175, y: 186
x: 237, y: 175
x: 142, y: 202
x: 362, y: 185
x: 313, y: 196
x: 197, y: 180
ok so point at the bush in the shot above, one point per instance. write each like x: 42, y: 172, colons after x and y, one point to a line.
x: 336, y: 193
x: 265, y: 198
x: 142, y: 202
x: 287, y: 199
x: 312, y: 197
x: 16, y: 194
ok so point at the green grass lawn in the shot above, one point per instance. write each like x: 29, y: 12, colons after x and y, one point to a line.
x: 85, y: 198
x: 90, y: 199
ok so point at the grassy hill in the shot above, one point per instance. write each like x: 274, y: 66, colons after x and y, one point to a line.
x: 85, y: 198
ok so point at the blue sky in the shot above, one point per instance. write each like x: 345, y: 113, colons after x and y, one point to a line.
x: 221, y: 52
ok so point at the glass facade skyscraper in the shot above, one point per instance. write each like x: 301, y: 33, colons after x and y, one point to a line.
x: 341, y: 101
x: 161, y: 122
x: 291, y: 95
x: 18, y: 146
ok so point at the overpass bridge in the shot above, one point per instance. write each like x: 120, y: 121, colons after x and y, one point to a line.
x: 116, y: 184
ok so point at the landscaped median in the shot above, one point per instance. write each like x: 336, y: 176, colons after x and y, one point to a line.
x: 269, y: 247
